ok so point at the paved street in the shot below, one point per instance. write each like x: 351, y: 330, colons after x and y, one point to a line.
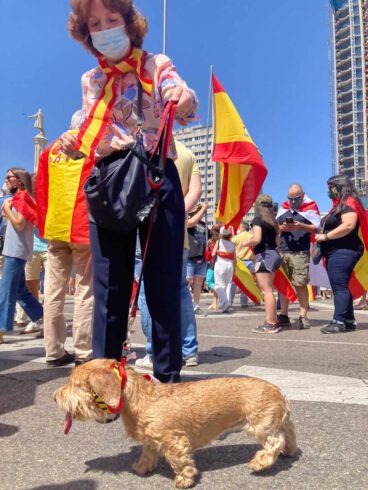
x: 325, y: 378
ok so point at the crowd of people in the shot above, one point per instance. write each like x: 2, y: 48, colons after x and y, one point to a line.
x: 171, y: 253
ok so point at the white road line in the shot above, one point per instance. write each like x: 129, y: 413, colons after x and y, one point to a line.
x: 273, y: 339
x: 302, y: 386
x: 311, y: 386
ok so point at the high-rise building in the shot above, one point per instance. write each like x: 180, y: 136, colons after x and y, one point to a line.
x: 195, y: 139
x: 348, y: 60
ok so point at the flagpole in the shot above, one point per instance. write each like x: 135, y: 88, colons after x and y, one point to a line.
x: 207, y: 146
x: 164, y: 28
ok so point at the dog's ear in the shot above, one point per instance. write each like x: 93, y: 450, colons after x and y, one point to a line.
x: 106, y: 385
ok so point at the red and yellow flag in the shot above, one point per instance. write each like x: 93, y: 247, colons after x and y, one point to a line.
x: 25, y: 205
x: 283, y: 285
x: 61, y: 204
x: 94, y: 127
x: 358, y: 283
x: 245, y: 281
x: 242, y: 169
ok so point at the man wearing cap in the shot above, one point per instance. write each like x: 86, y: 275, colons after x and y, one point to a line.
x: 298, y: 219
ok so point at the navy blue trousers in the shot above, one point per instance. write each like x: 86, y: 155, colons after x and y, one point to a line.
x: 340, y: 264
x: 113, y: 271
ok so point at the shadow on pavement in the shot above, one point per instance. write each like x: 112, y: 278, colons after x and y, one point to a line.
x: 21, y: 386
x: 207, y: 459
x: 220, y: 354
x: 8, y: 430
x: 70, y: 485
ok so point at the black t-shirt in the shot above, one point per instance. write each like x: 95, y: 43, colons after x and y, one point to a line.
x: 350, y: 241
x: 268, y: 241
x: 197, y: 241
x: 294, y: 241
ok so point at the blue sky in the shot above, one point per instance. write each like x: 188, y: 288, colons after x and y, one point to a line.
x: 270, y: 56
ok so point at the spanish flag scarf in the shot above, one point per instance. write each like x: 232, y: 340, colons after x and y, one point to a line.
x: 92, y: 130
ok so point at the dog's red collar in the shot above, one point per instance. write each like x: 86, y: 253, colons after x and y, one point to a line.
x: 120, y: 372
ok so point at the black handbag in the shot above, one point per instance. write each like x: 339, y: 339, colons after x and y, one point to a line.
x: 122, y: 188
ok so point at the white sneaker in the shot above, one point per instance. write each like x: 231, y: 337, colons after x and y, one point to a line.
x: 191, y: 361
x: 145, y: 362
x: 32, y: 327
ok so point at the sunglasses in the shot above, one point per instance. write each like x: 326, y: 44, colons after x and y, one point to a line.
x: 295, y: 198
x: 8, y: 177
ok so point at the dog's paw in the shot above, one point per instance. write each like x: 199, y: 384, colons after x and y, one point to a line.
x: 140, y: 469
x: 183, y: 482
x: 254, y: 465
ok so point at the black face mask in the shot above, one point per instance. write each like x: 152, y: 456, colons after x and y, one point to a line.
x: 13, y: 190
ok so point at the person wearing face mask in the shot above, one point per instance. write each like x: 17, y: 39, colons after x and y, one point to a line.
x: 113, y: 31
x: 298, y: 219
x: 20, y: 213
x: 343, y: 241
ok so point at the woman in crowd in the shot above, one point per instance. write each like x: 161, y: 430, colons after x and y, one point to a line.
x: 20, y: 213
x: 210, y: 275
x: 224, y: 252
x: 342, y: 248
x: 264, y: 241
x: 113, y: 31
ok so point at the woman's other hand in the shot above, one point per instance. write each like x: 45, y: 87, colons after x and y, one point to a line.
x: 320, y: 237
x: 184, y: 101
x: 67, y: 144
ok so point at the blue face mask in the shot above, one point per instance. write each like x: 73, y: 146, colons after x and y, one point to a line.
x: 112, y: 43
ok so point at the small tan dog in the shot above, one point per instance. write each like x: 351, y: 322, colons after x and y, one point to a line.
x: 173, y: 420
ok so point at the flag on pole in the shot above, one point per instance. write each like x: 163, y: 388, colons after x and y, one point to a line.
x: 61, y: 203
x: 242, y: 169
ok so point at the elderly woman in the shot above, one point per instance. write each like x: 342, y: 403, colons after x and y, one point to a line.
x: 342, y: 248
x: 113, y: 30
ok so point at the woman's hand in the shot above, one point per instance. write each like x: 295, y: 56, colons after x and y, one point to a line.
x: 320, y: 237
x: 184, y: 101
x: 67, y: 144
x: 7, y: 206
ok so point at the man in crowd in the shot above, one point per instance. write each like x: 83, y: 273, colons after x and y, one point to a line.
x: 68, y: 247
x: 197, y: 264
x: 190, y: 180
x: 298, y: 218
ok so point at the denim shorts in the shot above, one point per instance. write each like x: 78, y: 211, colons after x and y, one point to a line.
x: 268, y: 261
x: 196, y: 268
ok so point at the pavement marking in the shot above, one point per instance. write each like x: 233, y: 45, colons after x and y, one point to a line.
x: 273, y: 339
x: 312, y: 387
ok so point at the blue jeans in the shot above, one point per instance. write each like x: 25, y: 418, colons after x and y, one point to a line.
x: 12, y: 289
x: 340, y: 264
x: 188, y: 321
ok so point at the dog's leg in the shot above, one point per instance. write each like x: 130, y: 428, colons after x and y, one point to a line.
x: 273, y: 445
x: 148, y: 459
x: 290, y: 439
x: 179, y: 454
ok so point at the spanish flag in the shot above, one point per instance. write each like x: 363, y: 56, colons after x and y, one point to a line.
x: 61, y: 203
x: 244, y: 279
x: 283, y: 285
x: 358, y: 283
x: 242, y: 169
x: 25, y: 205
